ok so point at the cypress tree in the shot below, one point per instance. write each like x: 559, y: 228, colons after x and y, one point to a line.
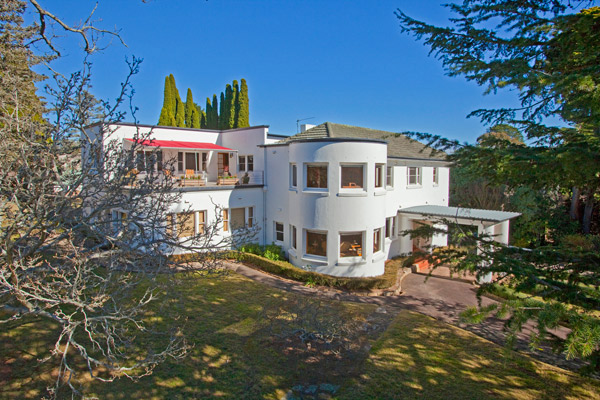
x: 215, y: 113
x: 196, y: 116
x: 222, y: 123
x: 208, y: 121
x: 236, y: 108
x: 179, y: 107
x: 243, y: 110
x: 229, y: 107
x: 165, y: 112
x: 189, y: 108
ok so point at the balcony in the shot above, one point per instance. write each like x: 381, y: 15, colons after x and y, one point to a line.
x: 191, y: 181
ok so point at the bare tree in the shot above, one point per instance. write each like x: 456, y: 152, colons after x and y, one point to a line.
x: 84, y: 241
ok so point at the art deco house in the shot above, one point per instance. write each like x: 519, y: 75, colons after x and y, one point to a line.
x: 335, y: 197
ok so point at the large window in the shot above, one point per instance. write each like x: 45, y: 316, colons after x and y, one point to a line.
x: 351, y: 244
x: 379, y: 175
x: 316, y: 176
x: 293, y: 175
x: 436, y: 176
x: 389, y: 176
x: 183, y: 224
x: 414, y: 175
x: 316, y: 243
x: 279, y: 232
x: 149, y: 160
x: 195, y: 162
x: 246, y: 163
x: 352, y: 176
x: 377, y: 240
x: 293, y: 237
x: 237, y: 218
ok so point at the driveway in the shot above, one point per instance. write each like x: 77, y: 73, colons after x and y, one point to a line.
x: 441, y: 298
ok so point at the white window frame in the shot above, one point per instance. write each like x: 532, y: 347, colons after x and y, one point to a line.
x: 305, y: 178
x: 306, y: 253
x: 293, y: 237
x: 246, y: 163
x: 362, y: 247
x: 364, y: 178
x: 389, y: 176
x: 381, y: 231
x: 276, y: 232
x: 379, y: 176
x: 436, y: 176
x: 390, y: 225
x: 418, y: 175
x: 293, y: 175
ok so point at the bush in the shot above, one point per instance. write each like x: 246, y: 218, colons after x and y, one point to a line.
x: 271, y: 251
x: 287, y: 270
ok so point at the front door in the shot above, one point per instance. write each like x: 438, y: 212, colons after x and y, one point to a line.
x: 223, y: 163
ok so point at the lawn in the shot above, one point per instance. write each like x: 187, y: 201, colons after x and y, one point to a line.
x: 233, y: 324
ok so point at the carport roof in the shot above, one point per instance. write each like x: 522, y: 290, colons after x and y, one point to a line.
x: 474, y: 214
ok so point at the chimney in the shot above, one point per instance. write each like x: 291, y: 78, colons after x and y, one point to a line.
x: 305, y: 127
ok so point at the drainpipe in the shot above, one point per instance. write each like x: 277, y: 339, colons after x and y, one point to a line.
x: 264, y: 230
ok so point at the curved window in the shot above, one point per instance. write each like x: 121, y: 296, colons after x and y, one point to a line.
x: 351, y: 244
x: 316, y: 176
x: 316, y: 243
x: 352, y: 176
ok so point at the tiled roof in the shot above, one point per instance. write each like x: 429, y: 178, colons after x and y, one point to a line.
x: 399, y: 145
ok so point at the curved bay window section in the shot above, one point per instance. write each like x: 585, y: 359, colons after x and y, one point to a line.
x: 351, y: 244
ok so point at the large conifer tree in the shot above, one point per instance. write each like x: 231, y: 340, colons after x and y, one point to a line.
x: 235, y: 110
x: 208, y: 121
x: 215, y: 113
x: 243, y: 112
x: 229, y: 108
x: 167, y: 113
x: 189, y: 109
x: 179, y: 105
x: 222, y: 112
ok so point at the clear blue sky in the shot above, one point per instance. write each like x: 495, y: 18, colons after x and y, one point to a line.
x: 339, y: 61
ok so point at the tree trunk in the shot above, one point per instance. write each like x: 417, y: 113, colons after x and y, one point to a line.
x: 574, y: 211
x: 587, y: 212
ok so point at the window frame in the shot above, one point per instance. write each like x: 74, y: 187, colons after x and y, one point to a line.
x: 363, y: 178
x: 389, y: 176
x: 418, y: 175
x: 293, y: 175
x: 360, y: 251
x: 225, y: 216
x: 390, y: 228
x: 277, y: 232
x: 293, y: 237
x: 379, y: 175
x: 377, y: 240
x: 306, y: 176
x: 306, y: 243
x: 436, y: 176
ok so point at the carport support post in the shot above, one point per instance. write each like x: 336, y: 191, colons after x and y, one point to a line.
x: 405, y: 224
x: 483, y: 230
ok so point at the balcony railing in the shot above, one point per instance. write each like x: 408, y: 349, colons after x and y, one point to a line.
x: 191, y: 179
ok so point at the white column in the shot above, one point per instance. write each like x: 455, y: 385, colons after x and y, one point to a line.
x: 405, y: 223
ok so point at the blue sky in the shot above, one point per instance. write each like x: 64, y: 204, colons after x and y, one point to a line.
x: 339, y: 61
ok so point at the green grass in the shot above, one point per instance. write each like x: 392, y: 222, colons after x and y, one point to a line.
x: 420, y: 357
x: 235, y: 355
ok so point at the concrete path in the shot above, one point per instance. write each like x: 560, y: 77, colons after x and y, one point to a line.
x: 441, y: 298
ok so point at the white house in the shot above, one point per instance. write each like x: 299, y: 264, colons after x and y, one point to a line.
x: 334, y: 197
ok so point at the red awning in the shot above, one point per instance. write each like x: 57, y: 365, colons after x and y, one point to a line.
x: 176, y: 144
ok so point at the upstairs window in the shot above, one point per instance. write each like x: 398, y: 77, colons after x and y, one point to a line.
x: 389, y: 181
x: 352, y: 176
x: 390, y: 227
x: 246, y: 163
x: 414, y: 176
x: 316, y: 176
x: 293, y: 175
x: 436, y: 176
x: 379, y: 175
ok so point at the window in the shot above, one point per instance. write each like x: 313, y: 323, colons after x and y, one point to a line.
x: 436, y: 176
x: 316, y: 176
x: 185, y: 224
x: 246, y: 163
x: 180, y: 162
x: 237, y: 218
x: 377, y: 240
x: 293, y: 238
x: 379, y: 175
x: 191, y: 161
x: 389, y: 177
x: 316, y: 243
x: 204, y: 161
x: 119, y: 219
x: 201, y: 222
x: 146, y: 161
x: 390, y: 227
x: 279, y: 231
x: 250, y: 217
x: 351, y: 244
x: 414, y: 175
x: 225, y: 220
x: 293, y: 175
x: 352, y: 176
